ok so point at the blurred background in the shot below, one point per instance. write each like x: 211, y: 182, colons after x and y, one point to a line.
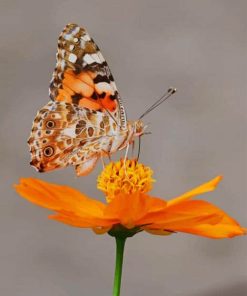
x: 199, y: 47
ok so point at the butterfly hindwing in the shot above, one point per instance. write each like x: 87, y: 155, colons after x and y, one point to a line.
x: 64, y: 134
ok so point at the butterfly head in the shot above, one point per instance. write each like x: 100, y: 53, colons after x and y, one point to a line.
x: 138, y: 128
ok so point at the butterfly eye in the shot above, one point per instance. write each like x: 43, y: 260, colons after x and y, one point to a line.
x: 50, y: 124
x: 48, y: 151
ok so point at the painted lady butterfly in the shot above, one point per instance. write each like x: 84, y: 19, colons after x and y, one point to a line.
x: 85, y: 119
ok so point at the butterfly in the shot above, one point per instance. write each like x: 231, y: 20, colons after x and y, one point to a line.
x: 85, y: 118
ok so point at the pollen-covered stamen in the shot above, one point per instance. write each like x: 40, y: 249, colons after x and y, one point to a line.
x: 126, y: 177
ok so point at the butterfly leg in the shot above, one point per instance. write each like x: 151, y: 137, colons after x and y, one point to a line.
x: 132, y: 149
x: 125, y: 158
x: 109, y: 157
x: 126, y: 153
x: 102, y: 161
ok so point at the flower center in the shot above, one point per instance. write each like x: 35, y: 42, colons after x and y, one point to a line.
x: 125, y: 177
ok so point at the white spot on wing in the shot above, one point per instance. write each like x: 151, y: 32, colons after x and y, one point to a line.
x: 71, y: 47
x: 72, y: 58
x: 63, y: 53
x: 67, y: 37
x: 83, y: 43
x: 85, y: 37
x: 88, y: 59
x: 75, y: 30
x: 63, y: 65
x: 96, y: 58
x: 69, y: 132
x: 103, y: 86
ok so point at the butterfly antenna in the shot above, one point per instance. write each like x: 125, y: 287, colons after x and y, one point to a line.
x: 139, y: 148
x: 169, y: 92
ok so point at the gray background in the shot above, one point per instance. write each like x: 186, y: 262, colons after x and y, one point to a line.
x: 197, y: 46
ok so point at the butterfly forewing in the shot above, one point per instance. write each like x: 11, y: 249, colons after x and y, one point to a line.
x: 82, y: 76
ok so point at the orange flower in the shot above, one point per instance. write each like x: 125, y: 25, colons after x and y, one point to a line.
x: 130, y: 209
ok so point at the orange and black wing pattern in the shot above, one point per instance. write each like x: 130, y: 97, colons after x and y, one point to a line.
x: 82, y: 76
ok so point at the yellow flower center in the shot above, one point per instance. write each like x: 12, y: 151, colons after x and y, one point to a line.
x: 126, y: 177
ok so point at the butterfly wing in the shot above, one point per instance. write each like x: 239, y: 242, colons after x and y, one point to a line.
x: 82, y: 76
x: 77, y: 126
x: 64, y: 134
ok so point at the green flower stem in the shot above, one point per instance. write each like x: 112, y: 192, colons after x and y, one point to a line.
x: 120, y: 242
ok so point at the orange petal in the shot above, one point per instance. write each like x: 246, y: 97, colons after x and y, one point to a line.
x: 200, y: 218
x: 157, y: 231
x: 71, y: 220
x: 217, y: 231
x: 134, y: 209
x: 101, y: 230
x: 83, y: 222
x: 126, y: 208
x: 206, y: 187
x: 58, y: 198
